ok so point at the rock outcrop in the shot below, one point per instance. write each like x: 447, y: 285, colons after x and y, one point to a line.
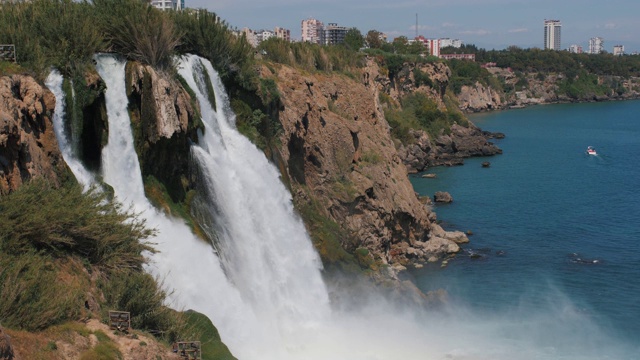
x: 28, y: 146
x: 166, y: 115
x: 478, y: 98
x: 442, y: 197
x: 447, y: 149
x: 337, y: 146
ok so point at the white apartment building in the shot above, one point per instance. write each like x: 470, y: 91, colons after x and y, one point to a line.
x: 168, y: 4
x: 596, y: 45
x: 552, y: 29
x: 618, y: 50
x: 446, y: 42
x: 576, y: 49
x: 312, y: 31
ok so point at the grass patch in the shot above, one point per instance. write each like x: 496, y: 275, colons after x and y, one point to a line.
x: 102, y: 351
x: 200, y: 328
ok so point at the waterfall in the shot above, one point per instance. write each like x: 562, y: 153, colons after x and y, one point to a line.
x: 54, y: 83
x: 263, y: 244
x: 185, y: 264
x: 262, y: 288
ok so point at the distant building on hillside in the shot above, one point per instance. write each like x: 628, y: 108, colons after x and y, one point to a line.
x: 552, y: 30
x: 618, y: 50
x: 312, y: 31
x: 282, y: 33
x: 575, y: 49
x: 470, y: 57
x: 446, y: 42
x: 251, y: 36
x: 168, y: 4
x: 596, y: 45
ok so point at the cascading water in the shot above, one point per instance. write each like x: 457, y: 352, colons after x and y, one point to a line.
x: 54, y: 83
x: 264, y: 246
x: 270, y: 301
x: 184, y: 263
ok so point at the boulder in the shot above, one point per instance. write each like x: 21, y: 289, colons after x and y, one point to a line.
x: 486, y: 164
x: 442, y: 197
x: 437, y: 246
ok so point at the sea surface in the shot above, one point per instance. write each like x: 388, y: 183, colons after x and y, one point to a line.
x: 555, y: 232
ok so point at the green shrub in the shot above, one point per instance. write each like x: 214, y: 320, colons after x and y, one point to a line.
x: 208, y: 36
x: 32, y: 297
x: 66, y: 221
x: 59, y: 33
x: 139, y: 31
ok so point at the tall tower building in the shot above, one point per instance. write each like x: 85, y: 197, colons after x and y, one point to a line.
x: 596, y: 45
x: 552, y: 34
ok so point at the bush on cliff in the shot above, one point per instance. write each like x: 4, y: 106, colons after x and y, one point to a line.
x: 58, y: 245
x: 311, y: 57
x: 418, y: 111
x: 59, y: 33
x: 138, y: 31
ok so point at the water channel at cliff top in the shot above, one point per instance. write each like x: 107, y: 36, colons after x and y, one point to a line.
x: 556, y: 232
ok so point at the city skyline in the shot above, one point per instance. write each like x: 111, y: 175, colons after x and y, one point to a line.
x: 490, y: 24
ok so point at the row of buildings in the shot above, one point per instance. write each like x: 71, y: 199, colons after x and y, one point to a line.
x: 552, y: 33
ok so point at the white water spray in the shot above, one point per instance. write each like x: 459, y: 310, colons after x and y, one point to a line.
x: 264, y: 245
x: 277, y: 307
x: 84, y: 177
x: 185, y: 263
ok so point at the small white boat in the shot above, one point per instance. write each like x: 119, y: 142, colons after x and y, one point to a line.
x: 591, y: 150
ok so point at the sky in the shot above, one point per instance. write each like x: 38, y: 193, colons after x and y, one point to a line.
x: 490, y: 24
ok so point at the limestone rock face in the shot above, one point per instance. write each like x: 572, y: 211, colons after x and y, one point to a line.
x: 166, y: 115
x: 28, y: 145
x: 163, y: 96
x: 479, y: 98
x: 338, y: 148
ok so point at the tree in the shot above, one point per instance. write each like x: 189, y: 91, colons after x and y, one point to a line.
x: 354, y: 39
x: 373, y: 39
x: 400, y: 44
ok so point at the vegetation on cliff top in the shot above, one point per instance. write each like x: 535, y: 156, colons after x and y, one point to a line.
x: 65, y: 34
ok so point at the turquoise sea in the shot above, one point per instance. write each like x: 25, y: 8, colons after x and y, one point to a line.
x: 556, y: 232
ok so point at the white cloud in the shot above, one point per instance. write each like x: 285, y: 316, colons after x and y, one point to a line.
x: 610, y: 26
x: 479, y: 32
x: 519, y: 30
x: 422, y: 28
x: 449, y: 25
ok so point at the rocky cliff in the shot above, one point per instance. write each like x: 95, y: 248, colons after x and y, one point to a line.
x: 338, y: 150
x: 525, y: 89
x: 28, y: 146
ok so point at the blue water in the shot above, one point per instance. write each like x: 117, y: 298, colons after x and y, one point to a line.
x: 554, y: 230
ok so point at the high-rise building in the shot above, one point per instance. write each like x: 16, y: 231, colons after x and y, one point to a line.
x: 596, y: 45
x: 334, y: 34
x: 618, y: 50
x: 552, y: 34
x: 312, y: 31
x: 168, y: 4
